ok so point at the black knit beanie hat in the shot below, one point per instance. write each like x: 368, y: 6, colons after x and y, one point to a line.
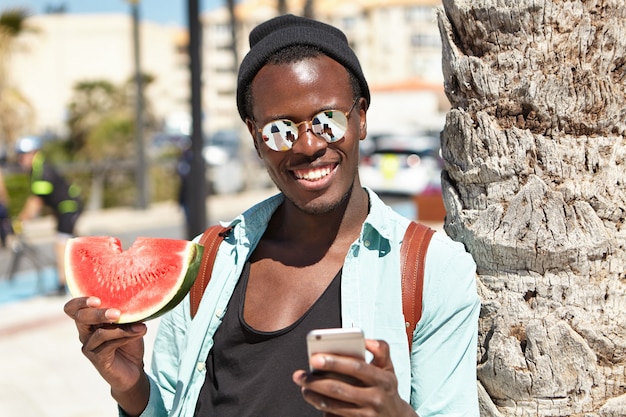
x: 287, y: 30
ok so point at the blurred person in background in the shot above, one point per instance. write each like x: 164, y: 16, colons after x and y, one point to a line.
x: 5, y: 222
x: 49, y: 188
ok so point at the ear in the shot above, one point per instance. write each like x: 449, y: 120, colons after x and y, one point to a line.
x: 253, y: 133
x: 362, y: 118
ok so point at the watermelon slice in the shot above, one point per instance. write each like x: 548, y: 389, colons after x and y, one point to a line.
x: 143, y: 282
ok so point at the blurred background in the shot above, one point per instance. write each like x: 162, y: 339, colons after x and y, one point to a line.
x: 107, y: 86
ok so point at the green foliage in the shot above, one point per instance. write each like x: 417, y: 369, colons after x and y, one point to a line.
x: 120, y: 189
x: 18, y: 187
x: 121, y: 185
x: 57, y: 151
x: 102, y: 136
x: 92, y: 102
x: 164, y: 182
x: 111, y: 139
x: 16, y: 113
x: 12, y: 20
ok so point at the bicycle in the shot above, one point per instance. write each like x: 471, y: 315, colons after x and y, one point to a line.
x: 20, y: 248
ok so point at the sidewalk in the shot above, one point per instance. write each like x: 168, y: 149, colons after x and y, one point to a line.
x: 43, y: 371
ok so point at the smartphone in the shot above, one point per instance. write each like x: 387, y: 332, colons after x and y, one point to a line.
x: 346, y: 342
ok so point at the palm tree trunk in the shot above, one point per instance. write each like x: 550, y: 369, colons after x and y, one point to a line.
x: 281, y: 6
x: 309, y: 9
x: 16, y: 113
x: 534, y: 185
x: 233, y: 32
x: 96, y: 192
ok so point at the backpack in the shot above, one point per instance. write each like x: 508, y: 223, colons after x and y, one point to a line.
x: 412, y: 253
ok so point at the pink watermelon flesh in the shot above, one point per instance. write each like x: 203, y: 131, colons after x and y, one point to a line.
x: 143, y: 282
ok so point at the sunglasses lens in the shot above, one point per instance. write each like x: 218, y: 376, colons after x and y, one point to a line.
x: 331, y: 125
x: 280, y: 135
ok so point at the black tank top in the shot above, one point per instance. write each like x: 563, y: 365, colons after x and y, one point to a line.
x: 248, y: 373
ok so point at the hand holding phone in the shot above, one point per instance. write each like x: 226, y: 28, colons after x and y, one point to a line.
x: 345, y: 342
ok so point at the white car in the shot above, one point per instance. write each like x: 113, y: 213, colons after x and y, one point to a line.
x: 402, y: 165
x: 225, y: 169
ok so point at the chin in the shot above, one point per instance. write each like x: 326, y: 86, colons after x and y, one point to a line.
x: 323, y: 204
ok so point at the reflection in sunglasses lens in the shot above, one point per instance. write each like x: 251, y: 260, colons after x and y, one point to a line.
x: 330, y: 125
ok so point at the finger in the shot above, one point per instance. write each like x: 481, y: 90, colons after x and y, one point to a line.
x: 372, y: 374
x: 88, y: 317
x: 381, y: 354
x: 298, y: 377
x: 331, y: 406
x: 336, y: 397
x: 111, y: 337
x: 81, y: 309
x: 94, y: 316
x: 72, y: 306
x: 346, y: 368
x: 303, y: 378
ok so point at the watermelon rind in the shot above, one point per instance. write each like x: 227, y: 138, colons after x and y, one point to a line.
x: 190, y: 278
x: 191, y: 258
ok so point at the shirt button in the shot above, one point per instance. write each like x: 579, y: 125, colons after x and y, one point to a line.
x: 201, y: 367
x: 218, y: 313
x: 367, y: 243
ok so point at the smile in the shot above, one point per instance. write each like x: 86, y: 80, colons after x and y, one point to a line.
x: 312, y: 174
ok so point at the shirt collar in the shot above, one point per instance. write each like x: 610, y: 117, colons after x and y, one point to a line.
x: 254, y: 220
x: 377, y: 218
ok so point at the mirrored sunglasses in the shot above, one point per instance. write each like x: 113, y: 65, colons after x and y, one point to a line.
x: 330, y: 125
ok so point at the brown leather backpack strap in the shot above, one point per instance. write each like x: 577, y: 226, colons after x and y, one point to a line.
x: 412, y: 254
x: 211, y: 239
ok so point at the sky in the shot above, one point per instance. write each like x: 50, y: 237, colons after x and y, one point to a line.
x: 160, y: 11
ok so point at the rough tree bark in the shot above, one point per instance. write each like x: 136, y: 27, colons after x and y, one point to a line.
x: 534, y: 185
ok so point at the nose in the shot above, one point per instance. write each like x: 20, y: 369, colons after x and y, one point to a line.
x: 308, y: 143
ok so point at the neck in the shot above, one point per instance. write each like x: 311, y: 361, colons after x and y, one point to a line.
x: 343, y: 221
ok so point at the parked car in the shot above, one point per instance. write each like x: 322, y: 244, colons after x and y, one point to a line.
x: 225, y: 167
x: 164, y: 143
x: 403, y: 165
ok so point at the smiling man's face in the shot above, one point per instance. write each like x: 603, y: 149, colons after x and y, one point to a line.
x: 315, y: 175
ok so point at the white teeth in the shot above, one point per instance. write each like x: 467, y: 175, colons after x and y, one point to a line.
x: 312, y: 175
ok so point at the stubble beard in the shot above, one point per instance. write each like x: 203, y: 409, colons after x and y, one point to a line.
x: 321, y: 208
x: 326, y: 208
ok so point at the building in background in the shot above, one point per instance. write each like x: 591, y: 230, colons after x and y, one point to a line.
x: 67, y: 48
x: 397, y: 42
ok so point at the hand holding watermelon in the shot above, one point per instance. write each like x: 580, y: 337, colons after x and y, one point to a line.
x: 112, y: 287
x: 143, y: 282
x: 115, y: 350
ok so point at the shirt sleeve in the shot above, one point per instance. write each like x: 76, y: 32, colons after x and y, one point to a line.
x: 443, y: 358
x: 168, y: 347
x: 155, y: 406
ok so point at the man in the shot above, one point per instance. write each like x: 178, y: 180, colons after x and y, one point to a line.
x: 5, y: 222
x: 49, y: 188
x: 323, y: 253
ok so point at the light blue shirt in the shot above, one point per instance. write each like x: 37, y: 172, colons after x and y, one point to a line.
x: 438, y: 378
